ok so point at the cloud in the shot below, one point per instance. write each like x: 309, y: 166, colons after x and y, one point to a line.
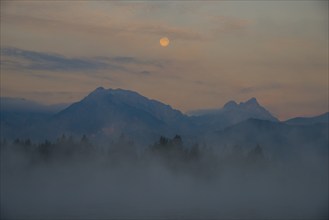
x: 166, y: 30
x: 124, y: 59
x: 49, y: 61
x: 145, y: 72
x: 120, y: 20
x: 133, y: 60
x: 251, y: 89
x: 228, y: 24
x: 102, y: 17
x: 132, y: 27
x: 14, y: 58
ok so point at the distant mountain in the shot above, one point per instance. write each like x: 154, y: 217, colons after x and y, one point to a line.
x: 273, y: 137
x: 103, y: 113
x: 22, y: 118
x: 231, y: 113
x: 324, y: 118
x: 24, y: 105
x: 112, y: 112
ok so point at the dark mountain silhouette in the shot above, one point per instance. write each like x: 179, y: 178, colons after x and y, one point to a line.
x: 324, y: 118
x: 109, y: 113
x: 231, y: 113
x: 23, y: 105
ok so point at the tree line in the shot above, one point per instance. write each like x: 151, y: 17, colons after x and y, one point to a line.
x: 172, y: 152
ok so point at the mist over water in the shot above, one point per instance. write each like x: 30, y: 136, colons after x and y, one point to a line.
x: 163, y: 181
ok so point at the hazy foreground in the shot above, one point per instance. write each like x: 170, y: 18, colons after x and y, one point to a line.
x: 75, y: 179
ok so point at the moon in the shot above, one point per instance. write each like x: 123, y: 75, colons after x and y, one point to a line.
x: 164, y: 41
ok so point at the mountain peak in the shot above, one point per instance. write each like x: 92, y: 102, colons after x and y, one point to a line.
x: 99, y: 88
x: 97, y: 92
x: 230, y: 104
x: 252, y: 101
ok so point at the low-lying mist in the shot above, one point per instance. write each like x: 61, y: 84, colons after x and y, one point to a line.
x: 167, y: 180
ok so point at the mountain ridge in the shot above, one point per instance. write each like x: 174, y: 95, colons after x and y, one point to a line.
x: 322, y: 118
x: 112, y: 112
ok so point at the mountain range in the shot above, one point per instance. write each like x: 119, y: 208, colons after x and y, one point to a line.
x: 324, y: 118
x: 231, y: 113
x: 109, y: 113
x: 24, y: 105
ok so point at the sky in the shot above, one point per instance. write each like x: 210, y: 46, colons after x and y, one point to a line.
x: 277, y: 51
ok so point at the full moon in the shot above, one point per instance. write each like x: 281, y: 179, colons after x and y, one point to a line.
x: 164, y: 41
